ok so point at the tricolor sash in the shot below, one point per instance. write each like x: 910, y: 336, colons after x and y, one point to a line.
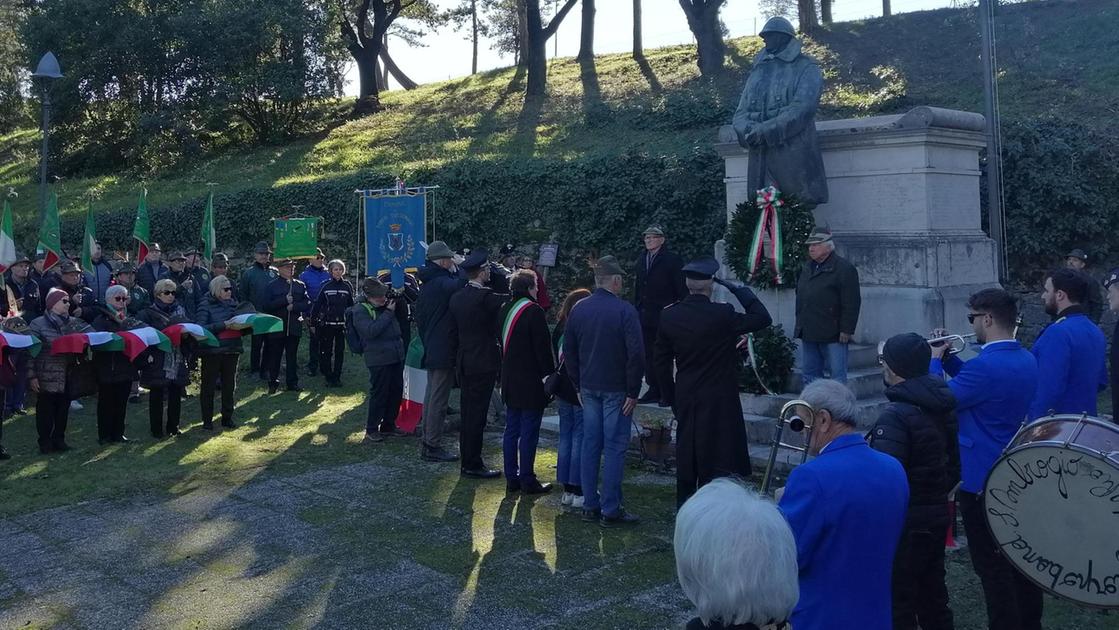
x: 511, y: 319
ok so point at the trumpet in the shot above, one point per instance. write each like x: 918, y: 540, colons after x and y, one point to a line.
x: 799, y: 416
x: 958, y: 343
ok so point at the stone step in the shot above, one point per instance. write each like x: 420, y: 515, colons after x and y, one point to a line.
x: 755, y: 406
x: 865, y: 382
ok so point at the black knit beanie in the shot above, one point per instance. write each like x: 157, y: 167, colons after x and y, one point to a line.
x: 907, y: 354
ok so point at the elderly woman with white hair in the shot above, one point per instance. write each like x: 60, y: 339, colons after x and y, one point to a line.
x: 736, y: 559
x: 846, y: 508
x: 115, y: 372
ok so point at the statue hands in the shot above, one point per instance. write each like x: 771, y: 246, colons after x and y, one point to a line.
x: 754, y: 139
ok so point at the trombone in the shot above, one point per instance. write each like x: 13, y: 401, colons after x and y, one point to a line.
x: 957, y: 343
x: 799, y: 416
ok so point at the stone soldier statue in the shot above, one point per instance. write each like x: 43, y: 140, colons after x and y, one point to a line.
x: 775, y: 119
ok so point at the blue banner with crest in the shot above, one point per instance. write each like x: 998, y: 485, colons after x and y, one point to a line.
x: 395, y: 234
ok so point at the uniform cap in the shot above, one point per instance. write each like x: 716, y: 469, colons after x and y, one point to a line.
x: 69, y: 266
x: 1077, y: 253
x: 439, y: 250
x: 262, y: 248
x: 476, y: 259
x: 702, y: 268
x: 176, y: 256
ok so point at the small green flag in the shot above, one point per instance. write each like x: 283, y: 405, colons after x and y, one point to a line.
x: 50, y: 239
x: 141, y: 231
x: 209, y: 237
x: 90, y: 238
x: 7, y: 239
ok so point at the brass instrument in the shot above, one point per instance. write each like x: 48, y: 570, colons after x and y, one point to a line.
x: 799, y: 416
x: 958, y: 343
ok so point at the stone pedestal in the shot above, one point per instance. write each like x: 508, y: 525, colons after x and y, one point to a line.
x: 904, y: 208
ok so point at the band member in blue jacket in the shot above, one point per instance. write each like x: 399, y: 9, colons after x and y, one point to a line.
x: 993, y: 393
x: 1071, y: 352
x: 846, y: 508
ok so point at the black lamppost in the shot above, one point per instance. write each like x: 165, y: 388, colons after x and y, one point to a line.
x: 47, y: 72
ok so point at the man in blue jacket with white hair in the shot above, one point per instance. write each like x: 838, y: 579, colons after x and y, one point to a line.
x: 846, y: 508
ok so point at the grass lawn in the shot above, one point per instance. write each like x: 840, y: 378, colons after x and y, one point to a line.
x: 288, y: 521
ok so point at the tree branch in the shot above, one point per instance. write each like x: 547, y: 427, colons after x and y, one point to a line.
x: 553, y: 26
x: 398, y: 74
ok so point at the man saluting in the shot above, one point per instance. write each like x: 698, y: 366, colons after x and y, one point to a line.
x: 699, y: 337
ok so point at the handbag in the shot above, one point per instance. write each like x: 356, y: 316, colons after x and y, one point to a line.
x: 558, y: 385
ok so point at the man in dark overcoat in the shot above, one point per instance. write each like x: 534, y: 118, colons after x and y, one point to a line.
x: 474, y: 311
x: 439, y: 281
x: 700, y: 338
x: 660, y: 282
x: 827, y: 308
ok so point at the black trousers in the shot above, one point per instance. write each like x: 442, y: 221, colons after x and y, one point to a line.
x: 1013, y: 602
x: 475, y: 402
x: 112, y: 405
x: 215, y: 366
x: 920, y: 594
x: 256, y: 354
x: 649, y: 335
x: 386, y: 387
x: 332, y: 350
x: 278, y: 347
x: 313, y: 351
x: 173, y: 395
x: 52, y: 412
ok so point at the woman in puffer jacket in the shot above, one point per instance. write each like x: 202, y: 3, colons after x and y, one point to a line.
x: 165, y: 373
x: 47, y: 372
x: 115, y: 372
x: 221, y: 362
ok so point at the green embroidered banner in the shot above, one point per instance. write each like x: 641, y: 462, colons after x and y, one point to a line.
x: 296, y: 237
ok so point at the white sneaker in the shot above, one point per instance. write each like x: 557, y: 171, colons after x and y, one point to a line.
x: 565, y: 500
x: 577, y: 502
x: 76, y: 406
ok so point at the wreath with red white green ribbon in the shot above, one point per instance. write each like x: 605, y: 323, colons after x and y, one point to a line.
x: 765, y: 239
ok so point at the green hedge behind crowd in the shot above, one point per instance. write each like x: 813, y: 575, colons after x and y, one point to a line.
x: 589, y: 206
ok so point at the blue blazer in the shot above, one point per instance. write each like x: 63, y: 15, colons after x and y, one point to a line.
x: 1071, y: 366
x: 846, y: 508
x: 993, y: 394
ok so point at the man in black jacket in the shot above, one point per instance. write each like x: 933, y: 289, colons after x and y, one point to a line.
x: 439, y: 281
x: 187, y: 292
x: 919, y: 429
x: 660, y: 283
x: 287, y: 299
x: 474, y: 322
x: 827, y: 308
x: 253, y: 288
x: 698, y: 338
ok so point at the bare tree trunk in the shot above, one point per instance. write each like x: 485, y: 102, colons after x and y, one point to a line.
x: 806, y: 15
x: 535, y: 50
x: 638, y: 45
x: 886, y: 12
x: 586, y: 35
x: 703, y: 19
x: 391, y: 68
x: 474, y: 34
x: 825, y: 11
x: 384, y: 67
x: 522, y: 31
x: 382, y: 78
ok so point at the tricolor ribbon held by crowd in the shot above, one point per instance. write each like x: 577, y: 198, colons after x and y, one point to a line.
x: 769, y: 225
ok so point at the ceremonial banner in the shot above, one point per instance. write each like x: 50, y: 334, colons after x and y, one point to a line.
x: 395, y: 227
x: 296, y: 237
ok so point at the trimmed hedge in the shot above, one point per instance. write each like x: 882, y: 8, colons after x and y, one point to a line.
x: 590, y: 206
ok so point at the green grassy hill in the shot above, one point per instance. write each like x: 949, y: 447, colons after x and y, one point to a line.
x: 1057, y: 57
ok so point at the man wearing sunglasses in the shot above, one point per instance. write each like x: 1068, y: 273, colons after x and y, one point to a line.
x: 993, y: 393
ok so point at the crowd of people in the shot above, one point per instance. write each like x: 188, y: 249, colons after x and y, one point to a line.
x: 856, y: 539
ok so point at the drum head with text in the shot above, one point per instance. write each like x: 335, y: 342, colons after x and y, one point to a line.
x: 1054, y: 512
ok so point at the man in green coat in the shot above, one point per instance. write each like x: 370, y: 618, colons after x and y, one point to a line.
x: 828, y: 302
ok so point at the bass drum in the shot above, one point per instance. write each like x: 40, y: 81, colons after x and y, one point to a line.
x: 1052, y: 505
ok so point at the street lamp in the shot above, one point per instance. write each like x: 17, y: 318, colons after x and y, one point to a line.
x: 47, y: 72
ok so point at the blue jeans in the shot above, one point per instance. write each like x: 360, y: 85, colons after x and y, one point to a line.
x: 815, y: 355
x: 570, y: 443
x: 518, y: 444
x: 605, y: 437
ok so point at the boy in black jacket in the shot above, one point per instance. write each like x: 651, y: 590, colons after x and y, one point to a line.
x: 919, y: 429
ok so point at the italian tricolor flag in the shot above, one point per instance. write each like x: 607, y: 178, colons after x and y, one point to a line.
x: 141, y: 230
x: 7, y: 239
x: 415, y: 386
x: 130, y: 342
x: 139, y: 339
x: 252, y: 324
x: 175, y: 333
x: 76, y: 343
x: 30, y: 343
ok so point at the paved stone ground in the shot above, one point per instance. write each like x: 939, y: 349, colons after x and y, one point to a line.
x: 389, y: 543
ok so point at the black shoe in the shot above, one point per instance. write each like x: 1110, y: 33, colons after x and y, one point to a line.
x: 61, y: 447
x: 480, y: 473
x: 394, y: 432
x: 650, y: 397
x: 207, y: 426
x: 135, y: 398
x: 158, y: 436
x: 44, y: 450
x: 372, y: 438
x: 104, y: 441
x: 590, y: 516
x: 122, y: 440
x: 229, y: 424
x: 294, y: 388
x: 273, y: 388
x: 437, y: 455
x: 619, y: 519
x: 4, y: 454
x: 664, y: 403
x: 536, y: 487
